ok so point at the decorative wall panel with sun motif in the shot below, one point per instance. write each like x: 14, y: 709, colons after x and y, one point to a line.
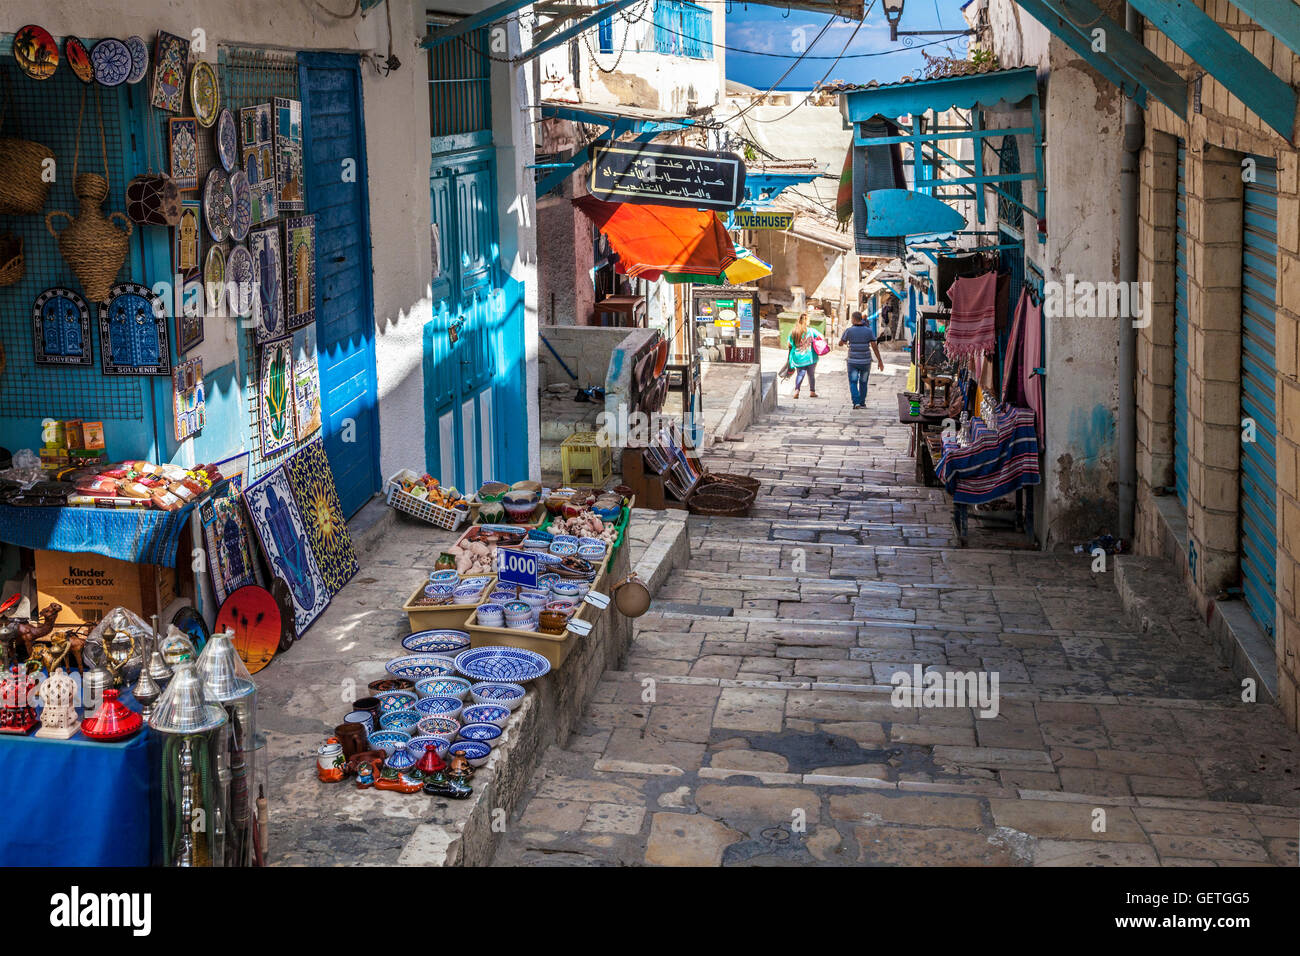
x: 322, y: 515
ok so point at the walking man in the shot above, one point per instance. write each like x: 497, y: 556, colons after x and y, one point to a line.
x: 861, y: 341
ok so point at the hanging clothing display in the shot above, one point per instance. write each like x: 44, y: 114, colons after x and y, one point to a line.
x: 1001, y: 457
x: 1020, y: 385
x: 971, y: 325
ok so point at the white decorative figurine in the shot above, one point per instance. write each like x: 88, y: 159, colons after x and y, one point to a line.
x: 59, y: 717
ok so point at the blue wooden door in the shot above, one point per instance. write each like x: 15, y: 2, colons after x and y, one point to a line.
x: 1181, y: 332
x: 335, y: 165
x: 1258, y: 495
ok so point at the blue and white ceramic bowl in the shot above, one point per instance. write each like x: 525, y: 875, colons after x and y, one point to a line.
x: 466, y: 595
x: 563, y: 548
x: 402, y: 720
x: 591, y: 543
x: 566, y: 591
x: 484, y: 733
x: 502, y: 664
x: 485, y: 714
x: 439, y: 706
x: 444, y: 727
x: 416, y: 666
x: 445, y: 576
x: 565, y: 539
x: 501, y: 597
x: 507, y: 695
x: 435, y: 591
x: 391, y: 701
x: 475, y: 751
x: 401, y: 759
x: 490, y: 615
x: 590, y: 552
x: 546, y: 580
x: 416, y: 745
x: 443, y: 687
x: 389, y: 740
x: 440, y: 641
x: 477, y: 581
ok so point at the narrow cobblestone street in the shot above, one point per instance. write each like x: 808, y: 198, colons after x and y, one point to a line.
x: 753, y: 723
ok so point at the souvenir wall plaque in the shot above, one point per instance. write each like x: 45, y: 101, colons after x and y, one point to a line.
x: 78, y: 57
x: 241, y: 287
x: 275, y: 397
x: 312, y: 484
x: 189, y: 322
x: 300, y: 270
x: 253, y: 617
x: 133, y: 332
x: 227, y: 140
x: 111, y: 61
x: 139, y: 51
x: 187, y: 398
x: 288, y: 155
x: 61, y: 324
x: 306, y: 382
x: 183, y: 140
x: 232, y: 561
x: 218, y: 204
x: 214, y: 281
x: 205, y: 94
x: 36, y: 52
x: 268, y: 283
x: 185, y: 254
x: 257, y: 157
x: 171, y: 60
x: 280, y: 529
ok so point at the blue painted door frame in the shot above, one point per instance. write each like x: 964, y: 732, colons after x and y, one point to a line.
x: 333, y: 135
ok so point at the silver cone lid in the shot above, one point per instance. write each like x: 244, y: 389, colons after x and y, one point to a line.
x: 225, y: 678
x: 183, y: 707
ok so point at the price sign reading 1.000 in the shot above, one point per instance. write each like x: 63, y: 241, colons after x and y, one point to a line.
x: 517, y: 567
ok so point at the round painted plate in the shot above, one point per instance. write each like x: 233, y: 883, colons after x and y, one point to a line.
x: 239, y: 281
x: 112, y: 62
x: 74, y: 51
x: 241, y: 217
x: 139, y: 51
x: 214, y: 278
x: 205, y: 95
x: 502, y: 664
x: 36, y: 52
x: 438, y: 641
x: 189, y: 620
x: 218, y: 205
x: 254, y: 616
x: 416, y: 666
x: 227, y: 140
x: 288, y: 630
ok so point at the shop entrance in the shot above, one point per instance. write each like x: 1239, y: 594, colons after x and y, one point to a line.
x: 334, y: 134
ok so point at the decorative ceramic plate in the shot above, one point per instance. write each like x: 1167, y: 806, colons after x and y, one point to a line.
x: 403, y: 720
x: 436, y: 642
x: 239, y: 280
x: 416, y: 666
x: 512, y: 664
x: 36, y: 52
x: 475, y: 751
x: 228, y: 141
x: 214, y: 277
x: 254, y: 617
x: 388, y: 740
x: 78, y: 57
x: 205, y: 95
x: 443, y: 687
x: 483, y: 733
x: 111, y: 61
x: 242, y: 213
x: 486, y: 714
x: 391, y: 701
x: 139, y: 51
x: 218, y: 205
x: 443, y: 727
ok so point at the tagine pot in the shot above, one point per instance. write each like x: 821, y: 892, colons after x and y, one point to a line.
x: 112, y: 721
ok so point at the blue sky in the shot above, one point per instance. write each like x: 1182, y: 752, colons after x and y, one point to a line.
x: 766, y: 29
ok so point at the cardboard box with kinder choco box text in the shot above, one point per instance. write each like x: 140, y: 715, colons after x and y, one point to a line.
x: 89, y: 585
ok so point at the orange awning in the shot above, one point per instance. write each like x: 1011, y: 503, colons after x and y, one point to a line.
x: 653, y: 240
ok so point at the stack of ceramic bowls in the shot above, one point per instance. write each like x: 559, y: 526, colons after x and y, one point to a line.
x: 519, y: 616
x: 466, y: 594
x: 501, y: 596
x: 445, y: 576
x: 491, y: 615
x: 478, y: 581
x: 534, y: 599
x: 546, y: 580
x: 435, y: 591
x: 567, y: 591
x: 567, y: 607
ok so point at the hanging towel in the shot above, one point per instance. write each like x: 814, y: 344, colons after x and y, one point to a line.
x: 974, y: 307
x: 1020, y: 385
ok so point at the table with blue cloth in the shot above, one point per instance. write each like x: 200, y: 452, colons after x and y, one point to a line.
x: 1001, y: 457
x: 79, y: 802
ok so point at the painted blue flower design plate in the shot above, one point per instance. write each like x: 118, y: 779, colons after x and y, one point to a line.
x: 507, y: 695
x: 439, y: 641
x: 510, y: 664
x: 484, y: 733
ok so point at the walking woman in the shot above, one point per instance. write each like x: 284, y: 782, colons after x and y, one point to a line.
x: 803, y: 354
x: 861, y: 342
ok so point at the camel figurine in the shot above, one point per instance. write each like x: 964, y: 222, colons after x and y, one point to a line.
x: 30, y: 632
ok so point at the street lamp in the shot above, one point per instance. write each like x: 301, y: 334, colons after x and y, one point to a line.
x: 894, y: 13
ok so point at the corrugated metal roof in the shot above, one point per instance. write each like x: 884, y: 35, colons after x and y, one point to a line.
x: 841, y: 86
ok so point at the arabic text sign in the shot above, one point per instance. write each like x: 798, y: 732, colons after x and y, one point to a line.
x: 667, y: 176
x: 752, y: 219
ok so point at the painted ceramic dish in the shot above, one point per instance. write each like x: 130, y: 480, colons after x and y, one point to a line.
x: 403, y: 720
x: 205, y: 94
x: 36, y: 52
x: 401, y: 760
x: 239, y: 280
x: 214, y: 277
x: 252, y: 613
x: 111, y: 61
x: 388, y: 740
x: 139, y: 51
x: 475, y: 751
x: 227, y: 141
x: 477, y: 581
x: 484, y: 733
x: 439, y: 707
x: 511, y: 664
x: 563, y: 548
x: 395, y: 700
x: 436, y: 642
x: 444, y: 727
x: 507, y: 695
x: 78, y: 57
x: 443, y: 687
x: 218, y: 205
x: 486, y: 714
x: 416, y: 745
x: 241, y: 216
x: 416, y: 666
x: 445, y: 576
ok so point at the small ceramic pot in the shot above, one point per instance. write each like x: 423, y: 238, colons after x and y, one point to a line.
x: 552, y: 622
x: 371, y: 704
x: 352, y: 737
x: 362, y: 717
